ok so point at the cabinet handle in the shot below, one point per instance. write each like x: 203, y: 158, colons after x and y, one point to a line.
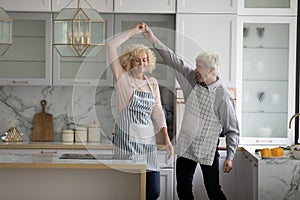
x: 26, y: 82
x: 258, y: 141
x: 48, y: 152
x: 83, y: 83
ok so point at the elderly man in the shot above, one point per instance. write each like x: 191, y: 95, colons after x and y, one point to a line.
x: 209, y: 112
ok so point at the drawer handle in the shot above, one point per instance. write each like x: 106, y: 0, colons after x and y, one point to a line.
x: 48, y: 152
x: 82, y: 83
x: 258, y: 141
x: 26, y: 82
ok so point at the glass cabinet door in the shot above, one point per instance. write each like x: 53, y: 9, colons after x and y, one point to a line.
x: 266, y: 7
x: 89, y: 71
x: 267, y: 79
x: 28, y: 60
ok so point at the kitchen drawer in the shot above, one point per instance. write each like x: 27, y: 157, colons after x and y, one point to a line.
x: 100, y: 5
x: 204, y: 6
x: 143, y: 6
x: 163, y: 160
x: 56, y: 151
x: 17, y: 5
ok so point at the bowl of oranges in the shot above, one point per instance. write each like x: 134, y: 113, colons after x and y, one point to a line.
x: 271, y: 153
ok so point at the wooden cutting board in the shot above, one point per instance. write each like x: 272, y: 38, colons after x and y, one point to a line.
x: 43, y: 126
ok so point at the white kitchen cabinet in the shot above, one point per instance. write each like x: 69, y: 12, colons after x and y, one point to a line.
x: 216, y: 33
x: 166, y: 175
x: 267, y: 7
x: 100, y: 5
x: 144, y: 6
x: 246, y: 176
x: 89, y: 71
x: 26, y: 6
x: 29, y: 60
x: 166, y: 184
x: 227, y: 180
x: 205, y: 6
x: 163, y: 27
x: 266, y: 77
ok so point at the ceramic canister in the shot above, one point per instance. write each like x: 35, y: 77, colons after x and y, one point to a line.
x: 80, y: 134
x: 67, y: 136
x: 94, y: 134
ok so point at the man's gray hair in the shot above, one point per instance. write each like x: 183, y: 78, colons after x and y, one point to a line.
x: 210, y: 60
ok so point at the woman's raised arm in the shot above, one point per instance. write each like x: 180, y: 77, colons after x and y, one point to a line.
x: 112, y: 49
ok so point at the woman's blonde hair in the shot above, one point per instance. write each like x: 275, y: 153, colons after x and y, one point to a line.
x: 131, y: 53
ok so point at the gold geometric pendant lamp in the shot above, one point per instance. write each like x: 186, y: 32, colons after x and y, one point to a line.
x: 5, y: 31
x: 77, y: 32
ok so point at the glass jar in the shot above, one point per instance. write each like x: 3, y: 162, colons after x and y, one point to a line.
x: 94, y: 134
x: 67, y: 136
x: 80, y: 134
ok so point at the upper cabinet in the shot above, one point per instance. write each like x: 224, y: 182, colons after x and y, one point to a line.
x: 100, y: 5
x: 90, y: 71
x: 28, y: 5
x: 29, y: 60
x: 266, y: 76
x: 219, y: 36
x: 206, y: 6
x: 144, y: 6
x: 267, y: 7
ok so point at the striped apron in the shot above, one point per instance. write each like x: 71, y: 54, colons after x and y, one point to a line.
x: 134, y: 131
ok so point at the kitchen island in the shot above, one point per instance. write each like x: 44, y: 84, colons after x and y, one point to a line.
x: 35, y: 176
x: 57, y: 148
x: 272, y: 178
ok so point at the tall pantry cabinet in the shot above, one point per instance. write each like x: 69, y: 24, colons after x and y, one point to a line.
x: 203, y: 25
x: 266, y: 46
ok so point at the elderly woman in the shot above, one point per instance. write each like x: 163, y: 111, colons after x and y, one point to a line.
x: 139, y: 111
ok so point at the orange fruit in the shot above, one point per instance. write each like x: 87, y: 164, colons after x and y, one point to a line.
x: 265, y: 152
x: 277, y: 151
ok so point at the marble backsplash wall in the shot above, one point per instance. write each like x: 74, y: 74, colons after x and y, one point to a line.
x: 70, y: 107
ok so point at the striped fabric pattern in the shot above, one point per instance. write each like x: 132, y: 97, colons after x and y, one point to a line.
x: 137, y: 112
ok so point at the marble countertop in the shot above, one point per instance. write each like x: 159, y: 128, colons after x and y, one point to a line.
x: 38, y: 160
x: 107, y: 145
x: 286, y: 160
x: 61, y: 145
x: 56, y: 145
